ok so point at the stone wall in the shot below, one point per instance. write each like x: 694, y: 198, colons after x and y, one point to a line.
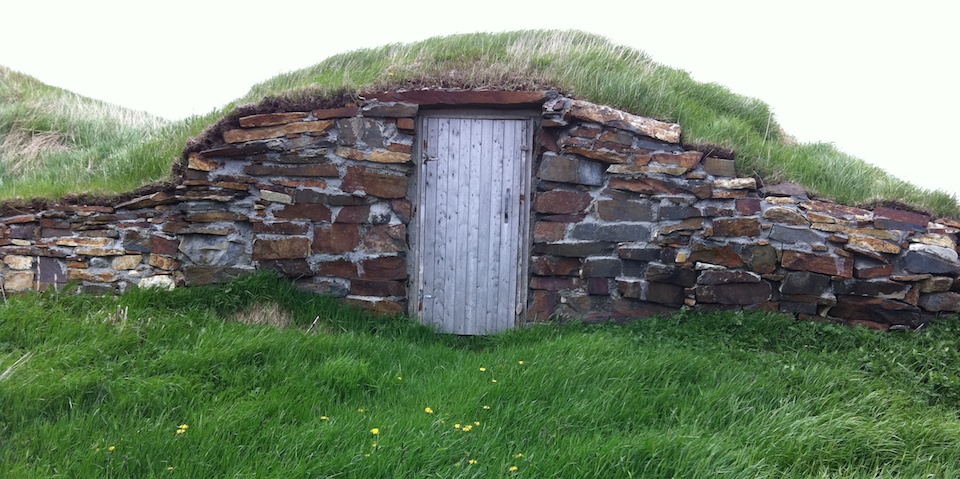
x: 627, y: 222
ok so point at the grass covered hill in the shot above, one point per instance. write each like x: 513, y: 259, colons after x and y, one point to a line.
x: 194, y: 383
x: 56, y: 143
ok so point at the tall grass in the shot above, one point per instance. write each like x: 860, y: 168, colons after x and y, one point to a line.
x: 578, y: 63
x: 726, y: 394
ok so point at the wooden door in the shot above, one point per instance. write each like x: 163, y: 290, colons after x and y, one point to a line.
x: 474, y: 177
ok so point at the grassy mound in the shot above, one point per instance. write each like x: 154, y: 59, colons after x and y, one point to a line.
x: 135, y: 149
x: 178, y: 384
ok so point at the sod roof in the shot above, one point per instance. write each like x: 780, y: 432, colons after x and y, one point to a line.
x: 54, y: 143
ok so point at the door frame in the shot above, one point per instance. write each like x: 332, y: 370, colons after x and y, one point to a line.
x: 417, y: 192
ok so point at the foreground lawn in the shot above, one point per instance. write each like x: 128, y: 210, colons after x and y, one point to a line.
x: 174, y: 384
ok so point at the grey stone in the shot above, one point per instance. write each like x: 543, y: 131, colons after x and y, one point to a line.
x: 872, y: 289
x: 804, y: 282
x: 211, y: 250
x: 938, y: 302
x: 787, y: 234
x: 610, y: 232
x: 579, y: 250
x: 946, y: 254
x: 678, y: 212
x: 917, y: 262
x: 601, y: 268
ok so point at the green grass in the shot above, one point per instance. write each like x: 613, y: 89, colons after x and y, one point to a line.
x: 585, y: 65
x: 706, y: 395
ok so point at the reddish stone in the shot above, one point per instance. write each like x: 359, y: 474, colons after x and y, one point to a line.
x: 561, y: 202
x: 300, y: 183
x: 406, y: 124
x: 384, y: 268
x: 403, y: 208
x: 550, y: 140
x: 164, y: 246
x: 543, y: 305
x: 379, y: 306
x: 319, y: 169
x: 374, y: 182
x: 647, y: 186
x: 311, y: 212
x: 385, y: 238
x: 244, y: 135
x: 818, y: 263
x: 554, y: 283
x: 720, y: 255
x: 284, y: 228
x: 271, y: 119
x: 736, y: 227
x: 12, y: 220
x: 881, y: 310
x: 336, y: 238
x: 546, y: 232
x: 748, y: 206
x: 282, y: 248
x: 237, y: 150
x: 598, y: 286
x: 889, y: 218
x: 585, y: 131
x: 353, y: 214
x: 686, y: 159
x: 872, y: 271
x: 616, y: 136
x: 342, y: 112
x: 340, y: 268
x: 599, y: 155
x: 362, y: 287
x: 295, y: 268
x: 555, y: 266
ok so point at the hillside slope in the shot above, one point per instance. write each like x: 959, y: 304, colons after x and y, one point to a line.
x: 104, y: 149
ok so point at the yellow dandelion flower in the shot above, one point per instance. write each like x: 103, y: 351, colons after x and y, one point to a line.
x: 456, y: 426
x: 493, y: 380
x: 373, y: 445
x: 170, y: 468
x: 184, y: 426
x: 486, y: 407
x: 467, y: 428
x: 399, y: 378
x: 518, y: 455
x: 513, y: 468
x: 112, y: 448
x: 472, y: 461
x: 361, y: 409
x: 520, y: 362
x: 181, y: 431
x: 324, y: 418
x: 375, y: 431
x: 428, y: 410
x: 482, y: 370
